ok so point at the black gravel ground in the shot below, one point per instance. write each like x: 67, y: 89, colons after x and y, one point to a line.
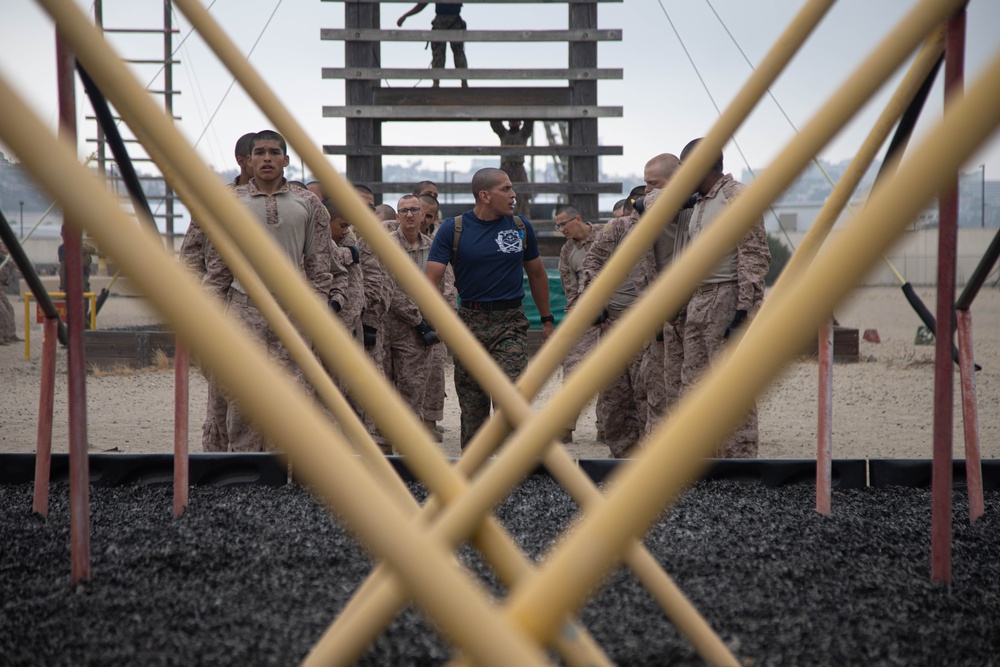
x: 253, y: 575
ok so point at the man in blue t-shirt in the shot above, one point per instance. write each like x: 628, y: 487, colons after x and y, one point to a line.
x: 494, y: 251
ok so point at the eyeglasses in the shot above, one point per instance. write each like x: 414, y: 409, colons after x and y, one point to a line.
x: 410, y: 211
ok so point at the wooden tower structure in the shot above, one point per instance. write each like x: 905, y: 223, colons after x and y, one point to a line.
x: 369, y: 104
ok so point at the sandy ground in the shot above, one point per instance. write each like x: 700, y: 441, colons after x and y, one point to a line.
x: 883, y: 405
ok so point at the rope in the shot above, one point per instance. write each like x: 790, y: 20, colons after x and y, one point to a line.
x: 822, y: 170
x: 718, y: 112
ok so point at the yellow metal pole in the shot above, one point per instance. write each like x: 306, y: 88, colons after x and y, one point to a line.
x: 669, y: 292
x: 677, y: 447
x: 841, y: 194
x: 708, y: 643
x: 665, y: 297
x: 283, y: 412
x: 425, y: 295
x: 158, y: 141
x: 511, y: 564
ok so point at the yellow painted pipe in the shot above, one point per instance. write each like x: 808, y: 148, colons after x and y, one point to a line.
x: 677, y: 449
x: 666, y: 593
x: 641, y: 322
x: 841, y: 194
x: 708, y: 645
x: 511, y: 563
x: 285, y: 414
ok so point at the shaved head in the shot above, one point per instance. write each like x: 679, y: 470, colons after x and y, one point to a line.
x: 659, y: 170
x: 486, y: 179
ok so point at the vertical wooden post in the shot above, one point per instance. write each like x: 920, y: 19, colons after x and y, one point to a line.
x: 43, y: 445
x: 583, y: 131
x: 182, y: 365
x: 941, y: 481
x: 970, y: 418
x: 362, y: 131
x: 79, y: 477
x: 824, y: 438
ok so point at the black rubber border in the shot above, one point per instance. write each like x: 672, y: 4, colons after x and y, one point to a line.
x: 269, y: 469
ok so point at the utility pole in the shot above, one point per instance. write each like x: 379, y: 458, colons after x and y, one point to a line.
x: 982, y: 200
x: 21, y: 204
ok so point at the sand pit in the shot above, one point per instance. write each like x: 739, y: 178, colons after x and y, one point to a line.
x: 883, y: 405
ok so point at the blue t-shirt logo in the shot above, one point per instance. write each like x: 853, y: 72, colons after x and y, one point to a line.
x: 509, y: 241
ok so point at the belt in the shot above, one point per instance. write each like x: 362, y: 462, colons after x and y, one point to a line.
x: 491, y: 306
x: 711, y: 286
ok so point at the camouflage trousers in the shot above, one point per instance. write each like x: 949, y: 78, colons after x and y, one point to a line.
x: 504, y: 334
x: 709, y: 312
x: 214, y: 435
x: 406, y: 362
x: 582, y: 348
x: 243, y: 437
x: 651, y: 369
x: 8, y: 327
x: 448, y: 22
x: 433, y: 406
x: 673, y: 359
x: 622, y: 407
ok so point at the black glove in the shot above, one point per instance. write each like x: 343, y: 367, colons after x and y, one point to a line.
x: 335, y: 305
x: 355, y: 253
x: 370, y: 335
x: 738, y: 319
x: 427, y: 335
x: 602, y: 318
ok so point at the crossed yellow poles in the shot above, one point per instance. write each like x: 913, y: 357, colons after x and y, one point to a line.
x: 418, y: 562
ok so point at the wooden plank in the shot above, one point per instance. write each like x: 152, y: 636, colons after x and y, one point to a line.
x: 449, y: 112
x: 569, y: 74
x: 371, y: 35
x: 490, y: 2
x: 481, y: 97
x: 524, y: 188
x: 472, y: 151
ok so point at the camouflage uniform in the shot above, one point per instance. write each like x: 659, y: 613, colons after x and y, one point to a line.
x: 737, y: 283
x: 448, y: 22
x: 405, y: 353
x: 194, y: 255
x: 354, y: 304
x: 8, y: 327
x: 434, y: 392
x: 570, y: 268
x: 624, y: 406
x: 504, y: 334
x: 301, y: 225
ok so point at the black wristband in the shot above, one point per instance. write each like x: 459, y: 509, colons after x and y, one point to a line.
x: 547, y: 318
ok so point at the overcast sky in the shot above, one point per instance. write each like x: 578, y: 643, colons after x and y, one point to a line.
x: 664, y: 102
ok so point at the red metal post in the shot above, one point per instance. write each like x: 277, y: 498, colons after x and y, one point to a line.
x: 970, y: 417
x: 824, y: 433
x: 182, y: 366
x: 46, y: 396
x: 79, y: 474
x: 941, y: 481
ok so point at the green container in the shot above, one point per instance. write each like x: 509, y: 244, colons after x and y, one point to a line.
x: 557, y: 300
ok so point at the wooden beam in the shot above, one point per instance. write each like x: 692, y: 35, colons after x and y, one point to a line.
x: 489, y: 2
x: 471, y: 113
x: 523, y: 188
x: 568, y: 74
x: 372, y: 35
x: 480, y: 97
x: 472, y: 151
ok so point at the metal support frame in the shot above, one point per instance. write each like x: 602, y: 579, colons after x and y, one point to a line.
x: 419, y: 556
